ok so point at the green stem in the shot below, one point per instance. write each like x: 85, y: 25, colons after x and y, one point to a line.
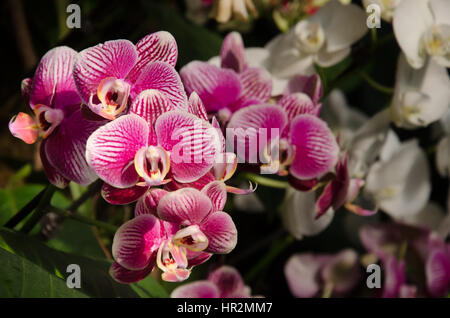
x: 276, y: 249
x: 374, y: 36
x: 327, y: 290
x: 267, y: 182
x: 40, y: 209
x: 376, y: 85
x: 25, y: 211
x: 83, y: 219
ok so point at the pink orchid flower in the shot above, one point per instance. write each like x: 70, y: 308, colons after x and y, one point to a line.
x: 399, y: 247
x: 337, y: 274
x: 190, y: 227
x: 224, y: 282
x: 150, y: 146
x: 230, y: 87
x: 53, y: 98
x: 110, y: 76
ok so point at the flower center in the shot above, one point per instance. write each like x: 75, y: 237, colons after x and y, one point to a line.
x: 47, y: 119
x: 172, y: 260
x: 111, y: 99
x: 152, y: 164
x: 278, y: 154
x: 310, y: 37
x: 436, y: 41
x: 191, y: 237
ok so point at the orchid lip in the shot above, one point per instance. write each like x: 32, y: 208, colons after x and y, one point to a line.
x: 172, y: 260
x: 191, y: 237
x: 152, y: 164
x: 111, y: 99
x: 435, y: 40
x: 278, y: 156
x: 310, y: 36
x: 47, y: 119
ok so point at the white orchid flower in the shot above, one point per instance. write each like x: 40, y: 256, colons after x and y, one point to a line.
x: 224, y: 10
x: 324, y: 38
x: 298, y: 214
x: 421, y: 96
x: 387, y: 7
x: 422, y: 28
x: 399, y: 182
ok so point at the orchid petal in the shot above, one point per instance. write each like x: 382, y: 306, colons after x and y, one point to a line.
x: 198, y: 289
x: 316, y: 150
x: 136, y: 242
x: 437, y: 269
x: 256, y: 87
x: 150, y: 104
x: 155, y: 47
x: 228, y: 281
x: 110, y: 59
x: 110, y: 150
x: 232, y: 53
x: 122, y: 196
x: 52, y: 174
x: 217, y: 192
x: 301, y: 275
x: 24, y: 127
x: 298, y: 104
x: 395, y: 277
x: 196, y: 106
x: 216, y: 87
x: 126, y: 276
x: 309, y: 85
x: 221, y: 232
x: 148, y: 203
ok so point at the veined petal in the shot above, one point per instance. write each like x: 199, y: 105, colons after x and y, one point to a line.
x: 24, y: 127
x: 192, y: 142
x: 395, y: 277
x: 256, y: 87
x: 216, y: 87
x: 316, y: 150
x: 110, y: 59
x: 136, y: 242
x: 159, y: 46
x: 411, y: 19
x: 122, y: 196
x: 254, y: 127
x: 309, y: 85
x: 221, y: 232
x: 110, y: 150
x: 197, y: 258
x: 163, y: 77
x: 148, y: 203
x: 126, y: 276
x: 437, y: 270
x: 217, y: 192
x: 53, y: 84
x: 232, y: 53
x: 185, y: 206
x: 52, y: 174
x: 228, y: 280
x: 298, y: 104
x: 198, y: 289
x: 196, y: 106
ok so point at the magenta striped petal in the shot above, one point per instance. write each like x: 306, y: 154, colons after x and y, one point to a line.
x: 136, y: 242
x: 221, y: 232
x: 192, y: 142
x: 253, y: 127
x: 110, y: 59
x: 148, y: 204
x: 256, y: 87
x: 150, y: 104
x: 197, y: 258
x: 196, y: 106
x: 232, y: 53
x: 110, y: 150
x: 228, y: 281
x: 298, y: 104
x: 199, y: 289
x: 53, y: 84
x: 163, y: 77
x: 316, y: 150
x: 216, y: 87
x: 122, y: 196
x: 52, y: 174
x: 155, y: 47
x: 309, y: 85
x: 437, y: 270
x: 217, y: 192
x: 185, y: 206
x: 126, y: 276
x: 394, y: 271
x: 66, y: 148
x: 197, y: 184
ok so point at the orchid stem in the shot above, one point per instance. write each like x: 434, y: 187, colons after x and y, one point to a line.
x: 276, y: 249
x: 376, y: 85
x: 25, y: 211
x: 267, y: 182
x: 327, y: 290
x: 40, y: 209
x: 83, y: 219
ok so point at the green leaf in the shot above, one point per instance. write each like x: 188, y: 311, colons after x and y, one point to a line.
x: 21, y: 278
x: 95, y: 279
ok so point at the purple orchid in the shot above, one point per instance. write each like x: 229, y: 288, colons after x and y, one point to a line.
x: 153, y: 144
x: 224, y: 282
x: 307, y: 273
x: 110, y: 76
x: 399, y: 247
x: 230, y: 87
x: 189, y: 227
x: 52, y: 96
